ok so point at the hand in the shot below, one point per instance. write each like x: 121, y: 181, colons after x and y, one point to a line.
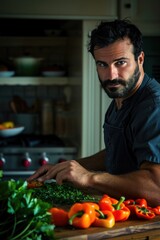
x: 42, y: 173
x: 65, y: 171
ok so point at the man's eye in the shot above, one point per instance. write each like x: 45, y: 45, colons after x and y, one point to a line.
x: 120, y: 63
x: 100, y: 64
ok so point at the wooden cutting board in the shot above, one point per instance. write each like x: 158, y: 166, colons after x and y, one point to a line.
x: 120, y: 229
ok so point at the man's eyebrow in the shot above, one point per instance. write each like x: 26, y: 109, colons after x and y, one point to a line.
x: 120, y: 59
x: 115, y: 60
x: 99, y: 61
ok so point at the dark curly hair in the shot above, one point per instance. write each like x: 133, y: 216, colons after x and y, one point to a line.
x: 109, y: 32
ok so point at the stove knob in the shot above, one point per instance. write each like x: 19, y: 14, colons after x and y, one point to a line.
x: 44, y: 159
x: 27, y: 160
x: 2, y: 160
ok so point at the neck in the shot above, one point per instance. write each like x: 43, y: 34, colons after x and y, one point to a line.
x: 118, y: 102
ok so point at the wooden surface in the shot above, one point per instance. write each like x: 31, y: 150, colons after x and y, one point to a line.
x: 131, y: 229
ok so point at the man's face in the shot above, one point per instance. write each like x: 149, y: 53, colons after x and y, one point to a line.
x: 117, y: 69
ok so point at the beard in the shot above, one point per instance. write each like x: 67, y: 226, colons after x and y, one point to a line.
x: 127, y: 86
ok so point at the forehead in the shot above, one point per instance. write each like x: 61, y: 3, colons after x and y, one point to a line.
x: 119, y: 49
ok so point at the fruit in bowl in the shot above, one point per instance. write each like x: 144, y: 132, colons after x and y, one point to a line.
x: 9, y: 132
x: 7, y: 124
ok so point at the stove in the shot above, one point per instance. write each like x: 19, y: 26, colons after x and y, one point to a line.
x: 22, y: 155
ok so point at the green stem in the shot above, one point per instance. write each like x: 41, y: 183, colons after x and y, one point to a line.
x: 6, y: 226
x: 143, y: 209
x: 78, y: 214
x: 14, y: 226
x: 27, y: 234
x: 117, y: 206
x: 21, y: 233
x: 102, y: 215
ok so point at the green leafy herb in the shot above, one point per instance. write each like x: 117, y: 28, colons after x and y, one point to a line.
x: 1, y: 173
x: 61, y: 194
x: 22, y: 216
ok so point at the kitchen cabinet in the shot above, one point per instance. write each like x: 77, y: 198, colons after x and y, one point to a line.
x: 145, y: 14
x: 78, y: 9
x: 16, y: 45
x: 85, y: 129
x: 48, y: 51
x: 34, y: 81
x: 63, y: 50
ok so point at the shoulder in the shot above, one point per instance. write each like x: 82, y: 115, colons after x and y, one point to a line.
x: 151, y: 89
x: 146, y: 111
x: 148, y: 96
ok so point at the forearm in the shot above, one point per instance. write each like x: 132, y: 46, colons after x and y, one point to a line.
x: 143, y: 183
x: 94, y: 162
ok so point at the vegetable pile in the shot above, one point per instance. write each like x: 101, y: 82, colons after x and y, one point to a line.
x: 22, y: 216
x: 29, y: 211
x: 105, y: 213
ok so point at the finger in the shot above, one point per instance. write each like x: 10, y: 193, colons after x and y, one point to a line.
x: 49, y: 171
x: 41, y: 171
x: 44, y: 178
x: 64, y: 175
x: 49, y: 174
x: 60, y: 177
x: 33, y: 177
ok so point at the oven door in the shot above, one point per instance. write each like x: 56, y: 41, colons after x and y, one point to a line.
x: 16, y: 175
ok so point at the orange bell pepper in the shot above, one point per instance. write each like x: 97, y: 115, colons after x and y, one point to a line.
x: 94, y: 205
x: 130, y: 203
x: 105, y: 203
x: 156, y: 210
x: 141, y: 202
x: 81, y: 215
x: 59, y: 217
x: 121, y: 212
x: 104, y: 219
x: 118, y: 208
x: 144, y: 212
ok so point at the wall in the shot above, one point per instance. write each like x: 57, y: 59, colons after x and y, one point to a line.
x: 145, y: 14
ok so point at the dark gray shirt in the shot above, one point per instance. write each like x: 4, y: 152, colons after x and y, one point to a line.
x: 132, y: 133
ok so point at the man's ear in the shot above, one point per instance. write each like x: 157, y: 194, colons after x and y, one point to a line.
x: 141, y: 58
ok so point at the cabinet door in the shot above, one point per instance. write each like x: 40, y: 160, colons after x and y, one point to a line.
x: 55, y: 9
x: 145, y: 14
x: 95, y: 101
x: 91, y: 98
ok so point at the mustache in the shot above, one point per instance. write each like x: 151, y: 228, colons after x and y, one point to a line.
x: 112, y: 82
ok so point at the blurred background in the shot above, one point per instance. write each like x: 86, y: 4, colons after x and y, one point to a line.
x: 48, y: 81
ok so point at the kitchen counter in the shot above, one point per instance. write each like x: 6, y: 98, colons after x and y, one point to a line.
x: 135, y: 229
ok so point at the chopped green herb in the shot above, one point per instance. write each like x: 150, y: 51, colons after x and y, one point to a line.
x: 65, y: 194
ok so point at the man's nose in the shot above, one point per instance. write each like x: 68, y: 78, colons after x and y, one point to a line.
x: 112, y: 73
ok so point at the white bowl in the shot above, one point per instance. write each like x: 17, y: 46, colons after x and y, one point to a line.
x: 7, y: 73
x: 53, y: 73
x: 9, y: 132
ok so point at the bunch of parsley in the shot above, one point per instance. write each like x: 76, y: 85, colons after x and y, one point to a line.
x: 22, y: 216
